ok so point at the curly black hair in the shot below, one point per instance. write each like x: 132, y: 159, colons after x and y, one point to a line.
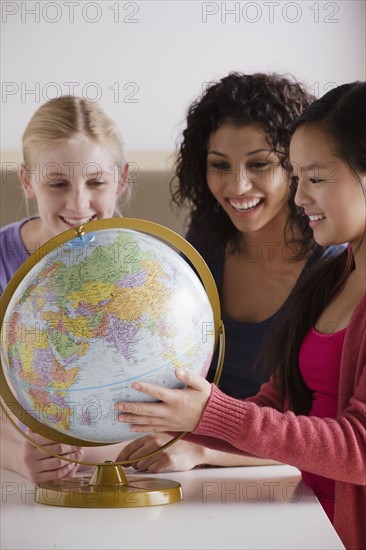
x: 271, y: 100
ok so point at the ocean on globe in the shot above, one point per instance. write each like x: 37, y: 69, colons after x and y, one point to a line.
x: 93, y: 316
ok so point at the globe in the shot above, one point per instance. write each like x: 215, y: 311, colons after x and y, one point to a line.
x: 94, y: 310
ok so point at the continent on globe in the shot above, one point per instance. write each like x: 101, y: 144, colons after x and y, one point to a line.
x: 95, y: 318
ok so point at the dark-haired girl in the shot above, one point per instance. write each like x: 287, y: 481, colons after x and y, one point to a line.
x: 312, y: 412
x: 233, y: 173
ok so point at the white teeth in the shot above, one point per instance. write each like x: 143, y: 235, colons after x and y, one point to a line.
x: 244, y: 205
x: 81, y: 221
x: 316, y: 217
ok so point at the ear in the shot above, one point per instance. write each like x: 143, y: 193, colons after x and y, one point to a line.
x: 26, y: 182
x: 122, y: 183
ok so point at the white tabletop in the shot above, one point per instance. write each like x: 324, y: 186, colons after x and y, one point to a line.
x: 223, y: 508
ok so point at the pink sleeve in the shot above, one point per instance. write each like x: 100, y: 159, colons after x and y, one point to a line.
x: 333, y: 448
x: 262, y: 426
x: 267, y: 396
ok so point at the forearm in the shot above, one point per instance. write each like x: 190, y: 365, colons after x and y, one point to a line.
x: 219, y: 458
x: 10, y: 440
x: 229, y: 425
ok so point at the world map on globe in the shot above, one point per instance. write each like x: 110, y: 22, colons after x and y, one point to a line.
x: 94, y: 315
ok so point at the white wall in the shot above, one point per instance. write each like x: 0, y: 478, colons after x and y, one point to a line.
x: 146, y: 61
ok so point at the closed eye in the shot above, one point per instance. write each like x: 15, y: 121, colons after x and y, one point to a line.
x: 57, y: 184
x: 219, y: 165
x: 96, y: 183
x: 259, y: 165
x: 315, y: 180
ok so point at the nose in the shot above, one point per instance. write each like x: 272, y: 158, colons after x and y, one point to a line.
x: 78, y: 199
x: 239, y: 179
x: 301, y: 196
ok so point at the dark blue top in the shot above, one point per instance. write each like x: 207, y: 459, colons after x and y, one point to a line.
x: 240, y: 377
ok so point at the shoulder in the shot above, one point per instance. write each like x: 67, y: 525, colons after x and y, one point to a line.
x: 353, y: 360
x: 10, y: 235
x: 332, y: 251
x: 12, y: 251
x: 358, y: 317
x: 355, y: 340
x: 210, y: 249
x: 322, y: 254
x: 11, y: 229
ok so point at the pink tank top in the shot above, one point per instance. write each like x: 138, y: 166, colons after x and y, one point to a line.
x: 319, y: 363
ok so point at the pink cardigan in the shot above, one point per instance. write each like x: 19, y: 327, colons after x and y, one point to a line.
x: 263, y: 425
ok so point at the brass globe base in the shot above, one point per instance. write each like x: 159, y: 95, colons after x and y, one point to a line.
x: 108, y: 488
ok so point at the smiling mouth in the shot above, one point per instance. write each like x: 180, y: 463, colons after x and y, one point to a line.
x: 316, y: 217
x: 245, y: 206
x: 75, y: 222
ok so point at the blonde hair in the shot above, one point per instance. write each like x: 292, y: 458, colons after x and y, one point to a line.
x: 67, y: 117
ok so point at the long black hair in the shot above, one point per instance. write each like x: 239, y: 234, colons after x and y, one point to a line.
x: 271, y: 100
x: 341, y: 114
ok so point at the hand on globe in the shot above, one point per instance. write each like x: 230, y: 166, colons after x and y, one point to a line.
x: 181, y: 456
x: 39, y: 466
x: 179, y: 410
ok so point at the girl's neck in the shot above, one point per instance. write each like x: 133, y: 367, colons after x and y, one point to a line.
x: 33, y: 235
x: 270, y: 242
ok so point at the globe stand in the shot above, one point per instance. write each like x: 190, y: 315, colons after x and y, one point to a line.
x: 108, y: 488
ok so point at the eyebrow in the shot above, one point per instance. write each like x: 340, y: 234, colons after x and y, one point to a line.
x: 58, y: 174
x: 66, y: 175
x: 313, y: 166
x: 100, y: 173
x: 247, y: 155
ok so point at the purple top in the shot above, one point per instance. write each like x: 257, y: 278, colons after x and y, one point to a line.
x: 12, y: 252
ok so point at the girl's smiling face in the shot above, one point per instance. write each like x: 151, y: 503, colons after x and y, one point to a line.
x: 332, y: 197
x: 73, y: 183
x: 245, y: 176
